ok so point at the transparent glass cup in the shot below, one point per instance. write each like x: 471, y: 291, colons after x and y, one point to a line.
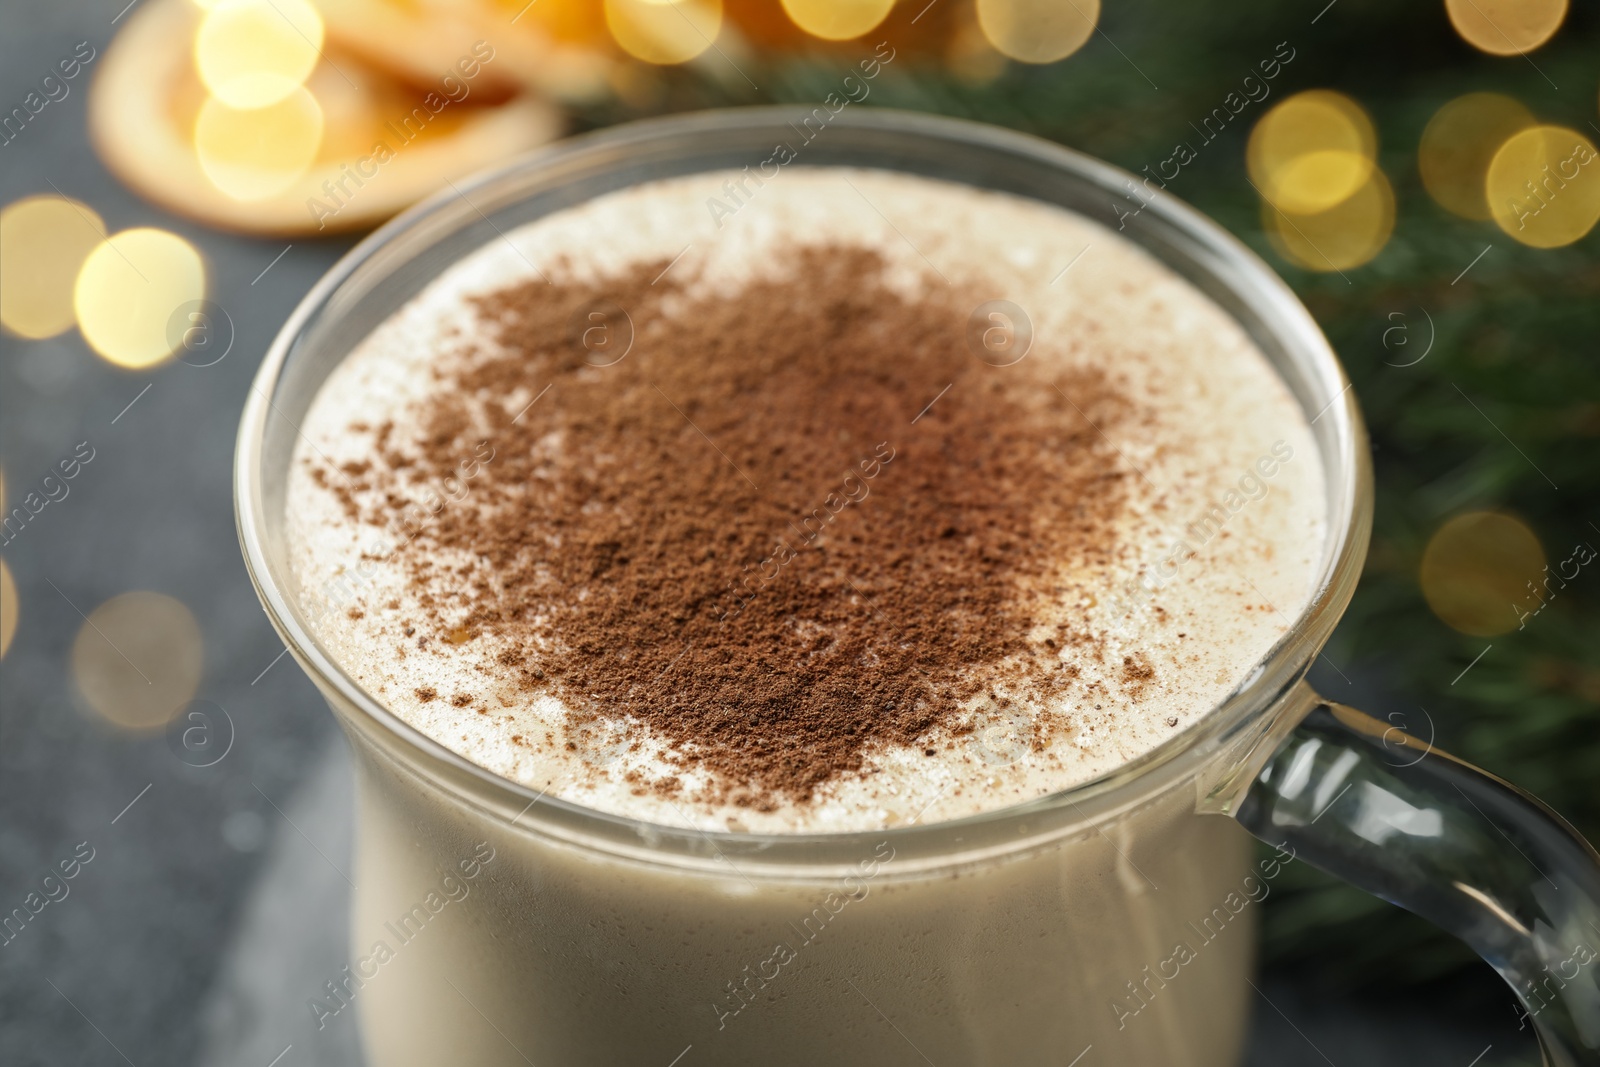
x: 493, y: 924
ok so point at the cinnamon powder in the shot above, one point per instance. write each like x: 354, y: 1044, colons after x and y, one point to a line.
x: 751, y: 530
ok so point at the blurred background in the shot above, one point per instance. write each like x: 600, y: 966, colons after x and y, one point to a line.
x: 177, y: 174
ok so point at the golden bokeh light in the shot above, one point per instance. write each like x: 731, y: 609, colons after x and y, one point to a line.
x: 1476, y: 572
x: 257, y: 153
x: 971, y: 58
x: 8, y: 608
x: 1543, y: 186
x: 1506, y: 27
x: 664, y: 31
x: 837, y: 20
x: 1460, y: 140
x: 1038, y: 31
x: 1312, y: 152
x: 43, y: 242
x: 128, y: 290
x: 137, y: 659
x: 1345, y: 236
x: 251, y: 53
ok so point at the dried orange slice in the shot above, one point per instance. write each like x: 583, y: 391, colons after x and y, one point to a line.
x: 382, y: 142
x: 547, y: 47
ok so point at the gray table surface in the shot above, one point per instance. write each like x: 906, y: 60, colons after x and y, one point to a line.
x: 213, y: 901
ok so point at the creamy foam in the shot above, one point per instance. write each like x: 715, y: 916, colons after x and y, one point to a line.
x: 1214, y: 553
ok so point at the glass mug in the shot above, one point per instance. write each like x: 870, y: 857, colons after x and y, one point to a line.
x: 496, y: 925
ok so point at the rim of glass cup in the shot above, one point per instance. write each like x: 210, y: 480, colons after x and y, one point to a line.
x: 579, y: 168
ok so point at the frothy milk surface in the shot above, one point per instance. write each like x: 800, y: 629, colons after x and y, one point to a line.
x: 1194, y: 475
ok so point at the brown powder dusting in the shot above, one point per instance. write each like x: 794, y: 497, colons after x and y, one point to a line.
x: 743, y: 533
x: 1136, y: 674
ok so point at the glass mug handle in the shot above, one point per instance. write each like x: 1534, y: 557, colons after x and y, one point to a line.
x: 1392, y: 815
